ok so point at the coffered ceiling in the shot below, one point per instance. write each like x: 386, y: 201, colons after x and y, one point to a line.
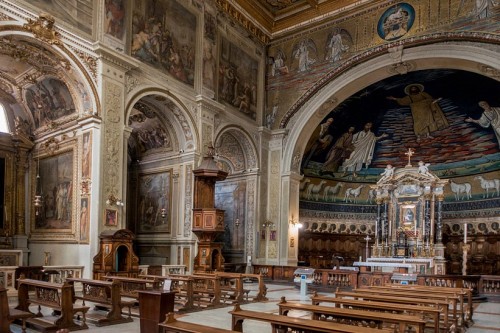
x: 276, y: 17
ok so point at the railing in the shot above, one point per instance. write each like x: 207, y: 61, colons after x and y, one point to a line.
x: 165, y: 270
x: 7, y: 278
x: 454, y: 281
x: 335, y: 278
x: 489, y: 285
x: 58, y: 274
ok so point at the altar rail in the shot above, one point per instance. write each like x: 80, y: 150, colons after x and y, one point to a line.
x: 330, y: 279
x: 59, y: 274
x: 7, y: 278
x: 161, y: 270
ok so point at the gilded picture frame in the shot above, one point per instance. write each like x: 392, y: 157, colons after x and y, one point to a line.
x: 55, y: 217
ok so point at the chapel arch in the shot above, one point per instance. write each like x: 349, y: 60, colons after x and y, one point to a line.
x: 476, y: 59
x: 236, y: 154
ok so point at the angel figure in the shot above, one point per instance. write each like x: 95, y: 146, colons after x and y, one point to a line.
x: 388, y: 173
x: 335, y: 46
x: 301, y: 52
x: 279, y: 66
x: 423, y: 168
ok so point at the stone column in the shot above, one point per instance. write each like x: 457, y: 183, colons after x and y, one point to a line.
x: 427, y: 220
x: 439, y: 220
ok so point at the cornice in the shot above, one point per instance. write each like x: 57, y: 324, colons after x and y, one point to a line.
x: 117, y: 59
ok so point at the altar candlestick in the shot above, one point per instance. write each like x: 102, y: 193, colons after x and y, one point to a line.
x: 465, y: 233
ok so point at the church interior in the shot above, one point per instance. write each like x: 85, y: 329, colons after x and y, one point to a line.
x: 358, y: 140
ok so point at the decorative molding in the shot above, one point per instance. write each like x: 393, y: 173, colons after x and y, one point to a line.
x: 434, y: 38
x: 226, y: 7
x: 88, y: 60
x: 43, y: 29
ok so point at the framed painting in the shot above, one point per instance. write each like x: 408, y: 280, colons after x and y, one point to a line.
x: 54, y: 217
x: 154, y: 204
x: 407, y: 214
x: 110, y: 217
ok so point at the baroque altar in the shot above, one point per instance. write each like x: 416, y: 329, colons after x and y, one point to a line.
x: 409, y: 218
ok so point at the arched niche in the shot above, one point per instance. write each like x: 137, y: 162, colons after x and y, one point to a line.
x: 236, y: 154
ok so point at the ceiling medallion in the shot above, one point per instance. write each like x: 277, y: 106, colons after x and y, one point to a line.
x: 43, y: 29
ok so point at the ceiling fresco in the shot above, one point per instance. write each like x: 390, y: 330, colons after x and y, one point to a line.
x: 434, y: 112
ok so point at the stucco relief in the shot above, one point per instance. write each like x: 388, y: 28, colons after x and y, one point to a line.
x: 188, y: 200
x: 250, y: 225
x: 112, y: 103
x: 274, y: 186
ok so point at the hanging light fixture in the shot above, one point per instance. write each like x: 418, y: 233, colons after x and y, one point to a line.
x: 38, y: 189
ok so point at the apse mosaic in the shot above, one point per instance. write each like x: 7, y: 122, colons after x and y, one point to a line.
x: 450, y: 126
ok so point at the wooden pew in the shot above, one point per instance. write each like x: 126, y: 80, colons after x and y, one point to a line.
x: 453, y: 299
x: 461, y: 292
x: 56, y: 296
x: 9, y: 315
x: 231, y: 286
x: 431, y: 313
x: 131, y: 286
x: 283, y: 323
x: 402, y: 323
x: 441, y: 305
x: 262, y: 289
x: 106, y: 293
x: 171, y: 325
x: 181, y: 284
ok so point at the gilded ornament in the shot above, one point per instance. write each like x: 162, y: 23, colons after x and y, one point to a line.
x: 43, y: 29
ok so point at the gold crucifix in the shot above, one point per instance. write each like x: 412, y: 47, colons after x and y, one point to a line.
x: 409, y: 153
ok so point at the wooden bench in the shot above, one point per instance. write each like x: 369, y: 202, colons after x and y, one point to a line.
x: 181, y: 284
x: 461, y: 292
x: 452, y: 299
x: 171, y: 325
x: 105, y: 293
x: 262, y: 289
x: 9, y: 315
x: 438, y: 304
x: 56, y: 296
x: 283, y: 323
x: 430, y: 313
x: 231, y: 286
x: 129, y: 287
x: 401, y: 322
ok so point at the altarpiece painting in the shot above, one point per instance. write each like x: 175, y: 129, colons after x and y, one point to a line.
x: 154, y: 204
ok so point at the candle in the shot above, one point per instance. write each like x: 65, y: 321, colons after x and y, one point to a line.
x: 465, y: 233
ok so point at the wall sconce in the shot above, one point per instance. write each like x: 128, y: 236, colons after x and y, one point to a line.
x: 267, y: 224
x: 113, y: 201
x: 295, y: 223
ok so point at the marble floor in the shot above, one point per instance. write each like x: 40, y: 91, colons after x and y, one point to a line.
x: 486, y: 315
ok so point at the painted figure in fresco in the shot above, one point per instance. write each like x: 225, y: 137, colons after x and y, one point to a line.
x: 396, y: 24
x: 320, y: 139
x: 208, y: 67
x: 302, y: 54
x: 279, y: 66
x: 84, y: 222
x: 335, y: 46
x: 364, y: 144
x: 115, y: 13
x: 427, y: 114
x: 483, y: 8
x: 341, y: 150
x: 490, y: 117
